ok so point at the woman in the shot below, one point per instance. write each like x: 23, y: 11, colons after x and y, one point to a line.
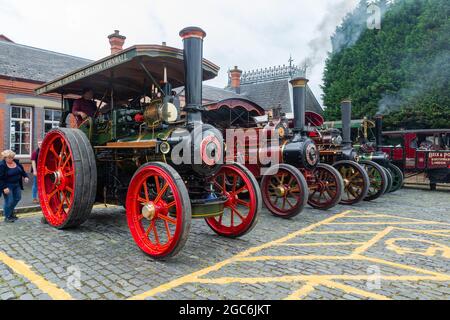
x: 11, y: 186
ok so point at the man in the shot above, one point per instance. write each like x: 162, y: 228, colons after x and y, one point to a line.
x: 34, y: 161
x: 85, y: 106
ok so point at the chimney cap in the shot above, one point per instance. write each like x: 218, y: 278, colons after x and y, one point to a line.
x: 116, y: 34
x: 190, y: 32
x: 347, y: 100
x: 299, y: 82
x: 236, y: 70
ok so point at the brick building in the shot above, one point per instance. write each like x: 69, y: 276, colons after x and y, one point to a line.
x: 25, y: 117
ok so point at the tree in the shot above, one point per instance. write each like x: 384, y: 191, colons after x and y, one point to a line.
x: 401, y: 71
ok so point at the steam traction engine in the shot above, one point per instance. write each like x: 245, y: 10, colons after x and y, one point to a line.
x: 364, y: 180
x: 163, y: 165
x: 300, y: 178
x: 368, y: 151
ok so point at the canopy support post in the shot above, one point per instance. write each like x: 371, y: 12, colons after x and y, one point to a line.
x: 149, y: 75
x: 64, y: 114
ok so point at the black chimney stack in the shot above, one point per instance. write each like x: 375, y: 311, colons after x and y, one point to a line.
x: 299, y: 93
x: 346, y: 109
x: 193, y: 66
x: 379, y: 129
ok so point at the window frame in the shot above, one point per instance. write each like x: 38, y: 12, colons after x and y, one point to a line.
x: 53, y: 110
x: 30, y: 120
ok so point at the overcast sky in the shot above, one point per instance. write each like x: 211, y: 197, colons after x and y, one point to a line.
x: 250, y: 34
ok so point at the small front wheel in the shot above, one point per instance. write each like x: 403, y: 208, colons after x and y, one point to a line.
x: 398, y: 177
x: 326, y: 187
x: 158, y: 210
x: 285, y: 191
x: 356, y: 181
x: 379, y: 180
x: 244, y: 202
x: 390, y: 180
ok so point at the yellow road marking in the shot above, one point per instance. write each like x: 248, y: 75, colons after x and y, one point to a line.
x: 320, y: 244
x: 194, y: 276
x: 410, y: 219
x: 303, y: 291
x: 342, y: 232
x: 30, y: 215
x: 373, y: 241
x: 24, y: 270
x: 405, y: 267
x: 382, y: 223
x: 315, y: 278
x: 311, y: 280
x: 39, y: 213
x: 350, y: 289
x: 293, y: 258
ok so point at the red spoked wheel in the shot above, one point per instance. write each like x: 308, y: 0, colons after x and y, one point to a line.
x: 356, y: 181
x: 67, y: 178
x: 325, y: 187
x: 244, y: 202
x: 285, y: 191
x: 158, y: 210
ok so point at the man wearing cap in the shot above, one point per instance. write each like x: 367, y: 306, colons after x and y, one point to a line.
x: 85, y: 106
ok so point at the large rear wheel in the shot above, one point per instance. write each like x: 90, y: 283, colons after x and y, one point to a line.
x: 397, y: 176
x: 158, y: 210
x: 285, y: 191
x: 244, y: 202
x: 379, y: 181
x: 67, y: 178
x: 325, y: 187
x: 356, y: 181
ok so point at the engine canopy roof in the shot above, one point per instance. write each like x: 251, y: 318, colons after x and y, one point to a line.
x: 124, y: 71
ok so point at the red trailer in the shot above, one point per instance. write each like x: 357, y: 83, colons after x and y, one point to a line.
x: 420, y: 151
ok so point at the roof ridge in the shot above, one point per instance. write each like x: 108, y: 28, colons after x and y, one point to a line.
x: 44, y: 50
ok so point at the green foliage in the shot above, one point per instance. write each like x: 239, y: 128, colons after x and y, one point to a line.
x: 402, y: 70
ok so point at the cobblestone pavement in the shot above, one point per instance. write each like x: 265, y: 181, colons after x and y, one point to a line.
x: 397, y: 247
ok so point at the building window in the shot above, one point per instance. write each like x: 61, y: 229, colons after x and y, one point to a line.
x: 21, y: 130
x: 51, y: 119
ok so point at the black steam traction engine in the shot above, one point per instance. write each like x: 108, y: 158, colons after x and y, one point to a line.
x: 369, y: 150
x: 139, y: 138
x: 364, y: 179
x: 299, y: 178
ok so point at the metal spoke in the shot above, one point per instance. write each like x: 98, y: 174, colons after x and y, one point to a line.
x: 161, y: 193
x: 146, y: 191
x: 167, y: 219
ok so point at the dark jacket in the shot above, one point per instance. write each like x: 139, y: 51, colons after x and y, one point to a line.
x: 4, y: 169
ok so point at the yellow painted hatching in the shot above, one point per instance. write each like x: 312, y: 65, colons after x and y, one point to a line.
x: 309, y: 283
x: 24, y: 270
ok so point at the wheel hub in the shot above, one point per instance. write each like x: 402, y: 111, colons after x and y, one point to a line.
x: 232, y: 200
x: 57, y: 178
x: 280, y: 191
x: 149, y: 211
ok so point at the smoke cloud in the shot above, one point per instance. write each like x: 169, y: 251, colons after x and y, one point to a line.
x: 430, y: 73
x: 320, y: 45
